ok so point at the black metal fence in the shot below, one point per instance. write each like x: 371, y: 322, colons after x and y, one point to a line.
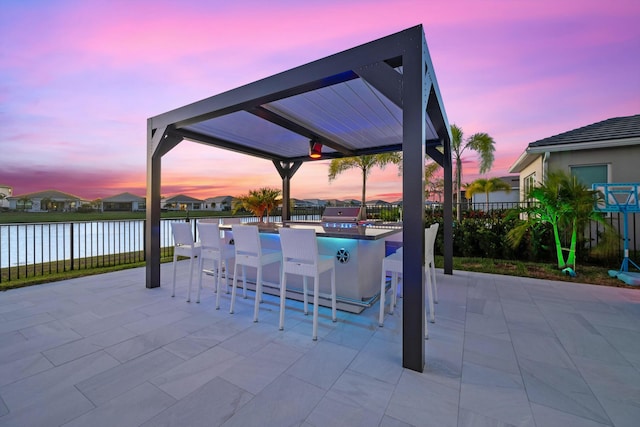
x: 39, y: 249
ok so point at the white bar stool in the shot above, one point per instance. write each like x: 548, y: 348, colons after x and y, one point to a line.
x: 301, y: 257
x: 186, y: 247
x: 430, y: 262
x: 249, y: 253
x: 393, y: 263
x: 213, y: 248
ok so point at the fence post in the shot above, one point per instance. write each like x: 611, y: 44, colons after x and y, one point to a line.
x: 144, y: 241
x: 71, y: 245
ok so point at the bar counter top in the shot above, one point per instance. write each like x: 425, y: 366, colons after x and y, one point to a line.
x: 342, y: 231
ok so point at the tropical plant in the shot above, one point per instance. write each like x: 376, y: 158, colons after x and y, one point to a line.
x: 486, y: 186
x: 365, y: 163
x: 435, y: 188
x: 581, y: 200
x: 480, y: 142
x: 564, y: 203
x: 430, y: 169
x: 259, y: 202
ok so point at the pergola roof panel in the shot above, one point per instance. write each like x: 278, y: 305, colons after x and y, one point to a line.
x: 247, y: 130
x: 352, y: 114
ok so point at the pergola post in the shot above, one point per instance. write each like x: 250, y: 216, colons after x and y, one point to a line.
x: 159, y: 142
x: 286, y: 170
x: 413, y: 147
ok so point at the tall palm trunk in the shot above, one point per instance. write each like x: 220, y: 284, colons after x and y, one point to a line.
x: 560, y: 256
x: 457, y: 188
x: 571, y: 259
x: 364, y: 187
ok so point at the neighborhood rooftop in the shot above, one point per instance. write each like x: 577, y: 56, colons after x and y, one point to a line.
x: 606, y: 130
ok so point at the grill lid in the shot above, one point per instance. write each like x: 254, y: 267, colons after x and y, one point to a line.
x: 341, y: 214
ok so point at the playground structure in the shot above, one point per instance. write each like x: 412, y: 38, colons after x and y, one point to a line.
x: 621, y: 198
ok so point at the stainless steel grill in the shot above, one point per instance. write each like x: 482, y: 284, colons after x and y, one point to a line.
x: 341, y: 217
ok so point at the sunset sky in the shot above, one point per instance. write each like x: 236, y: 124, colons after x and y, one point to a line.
x: 79, y: 78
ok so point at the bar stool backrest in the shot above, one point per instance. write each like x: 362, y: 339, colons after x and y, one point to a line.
x: 299, y: 250
x: 209, y: 233
x: 247, y: 240
x: 182, y: 235
x: 430, y: 235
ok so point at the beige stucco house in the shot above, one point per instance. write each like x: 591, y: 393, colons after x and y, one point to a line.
x: 499, y: 199
x: 5, y: 191
x: 182, y: 202
x: 123, y: 202
x: 220, y: 203
x: 604, y: 152
x: 607, y: 151
x: 49, y: 200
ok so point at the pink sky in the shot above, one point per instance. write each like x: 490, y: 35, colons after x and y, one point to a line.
x: 78, y: 80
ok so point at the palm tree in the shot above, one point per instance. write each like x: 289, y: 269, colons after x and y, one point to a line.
x: 365, y: 164
x: 480, y: 142
x: 259, y: 202
x: 580, y: 200
x: 430, y: 170
x: 486, y: 186
x: 564, y: 203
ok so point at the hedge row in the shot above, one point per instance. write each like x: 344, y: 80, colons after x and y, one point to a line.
x: 484, y: 235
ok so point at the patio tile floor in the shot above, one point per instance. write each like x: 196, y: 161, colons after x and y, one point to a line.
x: 504, y: 351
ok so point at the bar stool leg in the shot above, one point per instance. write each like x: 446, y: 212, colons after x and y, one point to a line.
x: 334, y: 317
x: 175, y: 259
x: 305, y: 298
x: 315, y: 309
x: 234, y: 285
x: 283, y: 295
x: 256, y: 304
x: 383, y: 286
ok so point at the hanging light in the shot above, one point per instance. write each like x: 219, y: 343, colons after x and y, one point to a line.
x: 315, y: 149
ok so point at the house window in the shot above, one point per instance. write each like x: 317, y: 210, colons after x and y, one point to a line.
x: 529, y: 183
x: 590, y: 174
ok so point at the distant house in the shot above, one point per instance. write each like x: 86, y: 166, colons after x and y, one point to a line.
x: 183, y: 203
x: 606, y: 151
x: 5, y: 191
x: 220, y: 203
x: 377, y: 203
x: 49, y: 200
x: 500, y: 199
x: 309, y: 203
x: 124, y: 202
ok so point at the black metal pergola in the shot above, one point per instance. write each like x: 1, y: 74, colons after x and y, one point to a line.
x: 378, y: 97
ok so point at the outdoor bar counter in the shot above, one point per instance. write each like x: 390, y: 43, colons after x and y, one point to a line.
x: 358, y: 250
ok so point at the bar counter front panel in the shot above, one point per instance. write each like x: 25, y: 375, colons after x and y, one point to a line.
x: 358, y: 251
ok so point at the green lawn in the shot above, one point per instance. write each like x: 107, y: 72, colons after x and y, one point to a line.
x: 585, y: 273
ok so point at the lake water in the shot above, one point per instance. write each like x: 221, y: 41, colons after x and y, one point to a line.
x: 27, y: 244
x: 23, y: 244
